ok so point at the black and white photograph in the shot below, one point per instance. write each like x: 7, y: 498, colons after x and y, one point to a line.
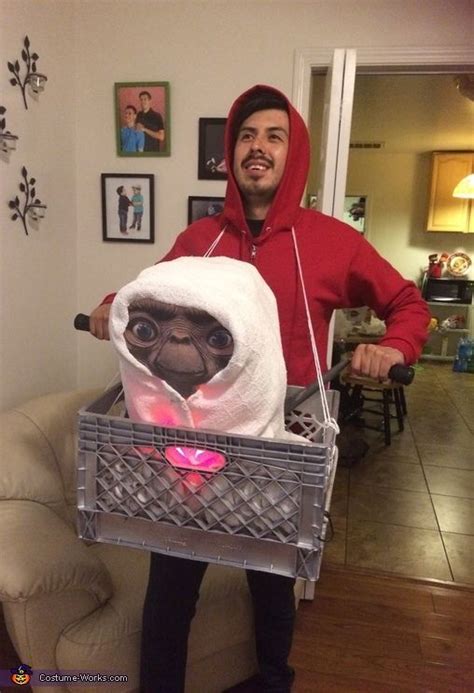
x: 128, y: 207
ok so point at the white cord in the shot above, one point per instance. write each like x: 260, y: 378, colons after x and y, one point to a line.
x: 329, y: 421
x: 115, y: 379
x: 213, y: 245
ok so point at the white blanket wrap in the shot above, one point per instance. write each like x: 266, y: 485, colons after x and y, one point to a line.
x: 247, y: 396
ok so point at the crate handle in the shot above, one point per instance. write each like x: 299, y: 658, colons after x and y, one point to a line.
x: 329, y: 531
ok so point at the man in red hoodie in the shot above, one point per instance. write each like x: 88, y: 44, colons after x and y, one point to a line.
x: 267, y: 156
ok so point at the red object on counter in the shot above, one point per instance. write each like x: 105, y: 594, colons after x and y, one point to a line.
x: 435, y: 269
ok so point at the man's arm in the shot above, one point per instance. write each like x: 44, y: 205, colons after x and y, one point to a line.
x: 158, y: 131
x: 154, y: 134
x: 374, y: 282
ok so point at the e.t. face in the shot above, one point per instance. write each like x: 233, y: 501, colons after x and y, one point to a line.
x: 185, y: 347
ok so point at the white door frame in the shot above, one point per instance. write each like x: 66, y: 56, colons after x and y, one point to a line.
x: 420, y: 59
x: 383, y: 59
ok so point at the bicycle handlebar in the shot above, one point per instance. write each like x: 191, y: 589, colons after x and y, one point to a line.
x: 82, y: 322
x: 397, y: 373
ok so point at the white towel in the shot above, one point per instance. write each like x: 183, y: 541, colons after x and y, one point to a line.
x: 247, y: 396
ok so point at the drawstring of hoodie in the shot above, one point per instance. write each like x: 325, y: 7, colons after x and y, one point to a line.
x: 329, y: 421
x: 214, y: 244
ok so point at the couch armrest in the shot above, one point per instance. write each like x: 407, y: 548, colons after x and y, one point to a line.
x: 41, y: 554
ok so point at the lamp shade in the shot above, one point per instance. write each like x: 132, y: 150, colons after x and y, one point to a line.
x: 465, y: 187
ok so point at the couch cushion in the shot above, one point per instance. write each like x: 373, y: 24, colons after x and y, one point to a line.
x: 111, y: 633
x: 55, y: 416
x: 38, y: 450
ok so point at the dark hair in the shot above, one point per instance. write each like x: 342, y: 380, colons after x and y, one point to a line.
x: 119, y: 189
x: 132, y: 108
x: 145, y: 93
x: 260, y: 101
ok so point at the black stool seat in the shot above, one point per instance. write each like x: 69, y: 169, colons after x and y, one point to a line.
x: 390, y: 394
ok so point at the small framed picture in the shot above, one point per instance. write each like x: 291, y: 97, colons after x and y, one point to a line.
x: 211, y: 162
x: 199, y: 207
x: 128, y: 207
x: 142, y: 117
x: 355, y: 212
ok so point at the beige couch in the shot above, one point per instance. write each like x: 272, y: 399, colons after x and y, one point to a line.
x: 69, y: 605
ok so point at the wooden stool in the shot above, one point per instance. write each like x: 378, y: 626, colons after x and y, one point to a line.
x: 392, y: 393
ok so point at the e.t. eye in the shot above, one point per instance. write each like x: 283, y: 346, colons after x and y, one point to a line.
x: 220, y: 339
x: 144, y: 331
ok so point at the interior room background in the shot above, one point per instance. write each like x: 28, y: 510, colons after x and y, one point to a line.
x: 209, y: 51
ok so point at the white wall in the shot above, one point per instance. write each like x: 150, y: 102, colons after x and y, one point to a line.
x: 209, y: 51
x: 38, y: 283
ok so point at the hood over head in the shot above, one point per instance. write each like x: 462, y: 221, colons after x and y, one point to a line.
x: 247, y: 395
x: 290, y: 191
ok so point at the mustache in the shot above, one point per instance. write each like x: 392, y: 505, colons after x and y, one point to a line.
x: 257, y: 157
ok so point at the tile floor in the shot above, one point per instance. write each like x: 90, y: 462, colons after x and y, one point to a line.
x: 409, y: 508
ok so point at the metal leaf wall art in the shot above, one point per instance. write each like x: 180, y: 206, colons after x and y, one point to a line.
x: 31, y: 207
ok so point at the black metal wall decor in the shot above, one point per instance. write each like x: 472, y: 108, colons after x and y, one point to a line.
x: 7, y: 139
x: 33, y: 78
x: 32, y: 207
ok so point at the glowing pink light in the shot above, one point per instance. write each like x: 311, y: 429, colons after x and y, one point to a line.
x: 193, y: 458
x: 194, y: 479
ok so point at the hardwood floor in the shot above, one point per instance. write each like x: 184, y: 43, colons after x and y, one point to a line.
x: 369, y: 632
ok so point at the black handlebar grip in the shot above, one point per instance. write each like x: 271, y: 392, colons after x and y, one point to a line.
x: 401, y: 374
x: 81, y: 322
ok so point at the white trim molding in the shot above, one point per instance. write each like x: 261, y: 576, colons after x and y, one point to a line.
x: 391, y: 59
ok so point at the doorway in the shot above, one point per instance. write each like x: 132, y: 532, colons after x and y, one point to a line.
x: 400, y: 509
x: 398, y: 120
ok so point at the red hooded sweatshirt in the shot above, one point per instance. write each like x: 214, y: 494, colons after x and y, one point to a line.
x: 340, y: 268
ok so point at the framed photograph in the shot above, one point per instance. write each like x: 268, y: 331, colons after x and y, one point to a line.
x: 128, y: 207
x: 355, y: 212
x: 199, y: 207
x: 311, y: 201
x: 142, y: 117
x: 211, y: 163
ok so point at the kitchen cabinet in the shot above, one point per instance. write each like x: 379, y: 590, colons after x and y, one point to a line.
x: 447, y: 213
x: 442, y: 344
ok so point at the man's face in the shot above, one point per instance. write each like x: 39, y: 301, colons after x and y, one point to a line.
x: 260, y: 153
x: 130, y: 117
x: 145, y: 102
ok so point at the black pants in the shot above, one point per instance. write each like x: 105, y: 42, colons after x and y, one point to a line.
x: 170, y: 604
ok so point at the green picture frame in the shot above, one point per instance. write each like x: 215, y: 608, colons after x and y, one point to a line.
x: 142, y: 119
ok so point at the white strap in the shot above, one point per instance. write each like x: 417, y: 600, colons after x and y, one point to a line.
x: 214, y: 245
x: 329, y: 421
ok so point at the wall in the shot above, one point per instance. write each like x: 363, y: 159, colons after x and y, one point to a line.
x: 412, y: 115
x: 209, y: 51
x: 38, y: 282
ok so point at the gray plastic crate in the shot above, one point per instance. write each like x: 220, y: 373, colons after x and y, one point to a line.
x: 266, y: 509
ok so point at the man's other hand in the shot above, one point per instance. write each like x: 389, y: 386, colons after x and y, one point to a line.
x: 375, y: 361
x: 99, y: 321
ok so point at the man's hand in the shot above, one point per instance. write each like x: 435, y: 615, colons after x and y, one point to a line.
x: 375, y: 361
x: 140, y: 127
x: 99, y: 321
